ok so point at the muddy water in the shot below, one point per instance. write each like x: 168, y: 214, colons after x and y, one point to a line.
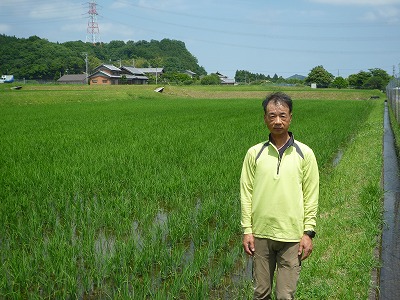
x: 390, y: 253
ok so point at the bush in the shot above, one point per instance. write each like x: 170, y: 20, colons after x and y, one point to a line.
x: 211, y: 79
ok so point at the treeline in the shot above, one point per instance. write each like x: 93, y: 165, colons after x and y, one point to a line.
x: 37, y: 58
x: 246, y: 77
x: 374, y: 78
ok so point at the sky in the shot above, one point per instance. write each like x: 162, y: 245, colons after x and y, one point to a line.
x: 260, y: 36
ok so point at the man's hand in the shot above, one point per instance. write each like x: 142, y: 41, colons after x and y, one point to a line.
x: 305, y: 247
x: 248, y: 243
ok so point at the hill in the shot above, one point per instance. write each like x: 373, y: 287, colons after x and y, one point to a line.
x: 37, y: 58
x: 297, y: 76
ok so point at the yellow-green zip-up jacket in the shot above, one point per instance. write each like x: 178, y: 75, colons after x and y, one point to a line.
x: 279, y: 194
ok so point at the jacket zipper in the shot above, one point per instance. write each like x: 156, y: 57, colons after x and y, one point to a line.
x: 279, y: 164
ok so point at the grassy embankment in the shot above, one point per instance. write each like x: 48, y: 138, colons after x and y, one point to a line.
x: 122, y: 192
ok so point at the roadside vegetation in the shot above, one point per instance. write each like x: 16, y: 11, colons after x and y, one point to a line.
x: 120, y: 192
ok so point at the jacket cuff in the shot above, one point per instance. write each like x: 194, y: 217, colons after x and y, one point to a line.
x: 247, y: 230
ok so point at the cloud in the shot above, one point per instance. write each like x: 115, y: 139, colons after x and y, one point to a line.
x: 113, y: 31
x: 168, y: 5
x: 119, y: 4
x: 388, y: 14
x: 56, y: 9
x: 358, y: 2
x: 4, y: 28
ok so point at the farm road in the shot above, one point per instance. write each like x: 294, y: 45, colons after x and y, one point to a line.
x: 390, y: 252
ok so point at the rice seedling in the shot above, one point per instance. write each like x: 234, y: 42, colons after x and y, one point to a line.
x: 126, y: 193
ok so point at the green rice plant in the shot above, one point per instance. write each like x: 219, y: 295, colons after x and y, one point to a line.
x: 120, y: 192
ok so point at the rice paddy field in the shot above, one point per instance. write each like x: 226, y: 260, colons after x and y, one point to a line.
x: 120, y: 192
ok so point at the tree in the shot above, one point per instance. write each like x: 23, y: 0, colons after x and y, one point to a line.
x: 358, y: 80
x: 319, y: 76
x: 248, y: 77
x: 38, y: 58
x: 339, y: 82
x: 211, y: 79
x: 374, y: 79
x: 381, y: 81
x: 177, y: 78
x: 374, y: 82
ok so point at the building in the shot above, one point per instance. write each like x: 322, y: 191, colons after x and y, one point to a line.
x: 133, y: 75
x: 105, y: 74
x: 109, y: 74
x: 225, y: 80
x: 72, y: 79
x: 190, y: 73
x: 152, y: 71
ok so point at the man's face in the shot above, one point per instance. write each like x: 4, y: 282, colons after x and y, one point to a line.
x: 277, y: 118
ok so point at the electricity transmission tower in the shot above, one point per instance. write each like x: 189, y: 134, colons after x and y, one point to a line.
x: 93, y: 32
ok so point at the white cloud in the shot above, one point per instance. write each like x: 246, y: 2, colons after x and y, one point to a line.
x: 358, y: 2
x: 113, y: 31
x: 4, y: 28
x: 119, y: 4
x: 56, y: 9
x: 169, y: 5
x: 388, y: 14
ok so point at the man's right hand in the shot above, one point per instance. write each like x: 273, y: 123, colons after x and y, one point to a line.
x: 248, y: 243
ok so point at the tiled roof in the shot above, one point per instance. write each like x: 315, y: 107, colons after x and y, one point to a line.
x: 112, y: 67
x: 190, y: 72
x: 227, y: 80
x: 136, y: 77
x: 101, y: 73
x: 151, y: 70
x: 133, y: 70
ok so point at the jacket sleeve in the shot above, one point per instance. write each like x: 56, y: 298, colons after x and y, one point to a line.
x: 246, y: 191
x: 310, y: 191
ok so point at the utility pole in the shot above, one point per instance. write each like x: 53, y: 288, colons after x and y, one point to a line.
x: 399, y: 72
x: 87, y: 66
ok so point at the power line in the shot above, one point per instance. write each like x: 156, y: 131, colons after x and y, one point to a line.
x: 286, y: 23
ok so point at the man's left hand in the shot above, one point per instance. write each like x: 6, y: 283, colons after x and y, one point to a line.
x: 305, y: 247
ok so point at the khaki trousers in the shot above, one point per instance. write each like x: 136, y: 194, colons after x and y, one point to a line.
x: 282, y: 256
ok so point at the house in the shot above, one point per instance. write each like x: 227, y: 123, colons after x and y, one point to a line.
x: 225, y: 80
x: 152, y: 71
x: 190, y: 73
x: 109, y: 74
x: 105, y: 74
x: 133, y: 75
x: 72, y: 79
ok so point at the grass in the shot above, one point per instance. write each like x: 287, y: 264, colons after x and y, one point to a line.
x: 350, y: 219
x: 120, y: 192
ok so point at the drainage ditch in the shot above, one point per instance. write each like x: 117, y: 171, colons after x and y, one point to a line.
x: 389, y: 277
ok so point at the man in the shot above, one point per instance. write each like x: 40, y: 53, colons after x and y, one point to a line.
x: 279, y: 188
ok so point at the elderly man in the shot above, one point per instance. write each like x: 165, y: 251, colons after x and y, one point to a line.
x: 279, y: 188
